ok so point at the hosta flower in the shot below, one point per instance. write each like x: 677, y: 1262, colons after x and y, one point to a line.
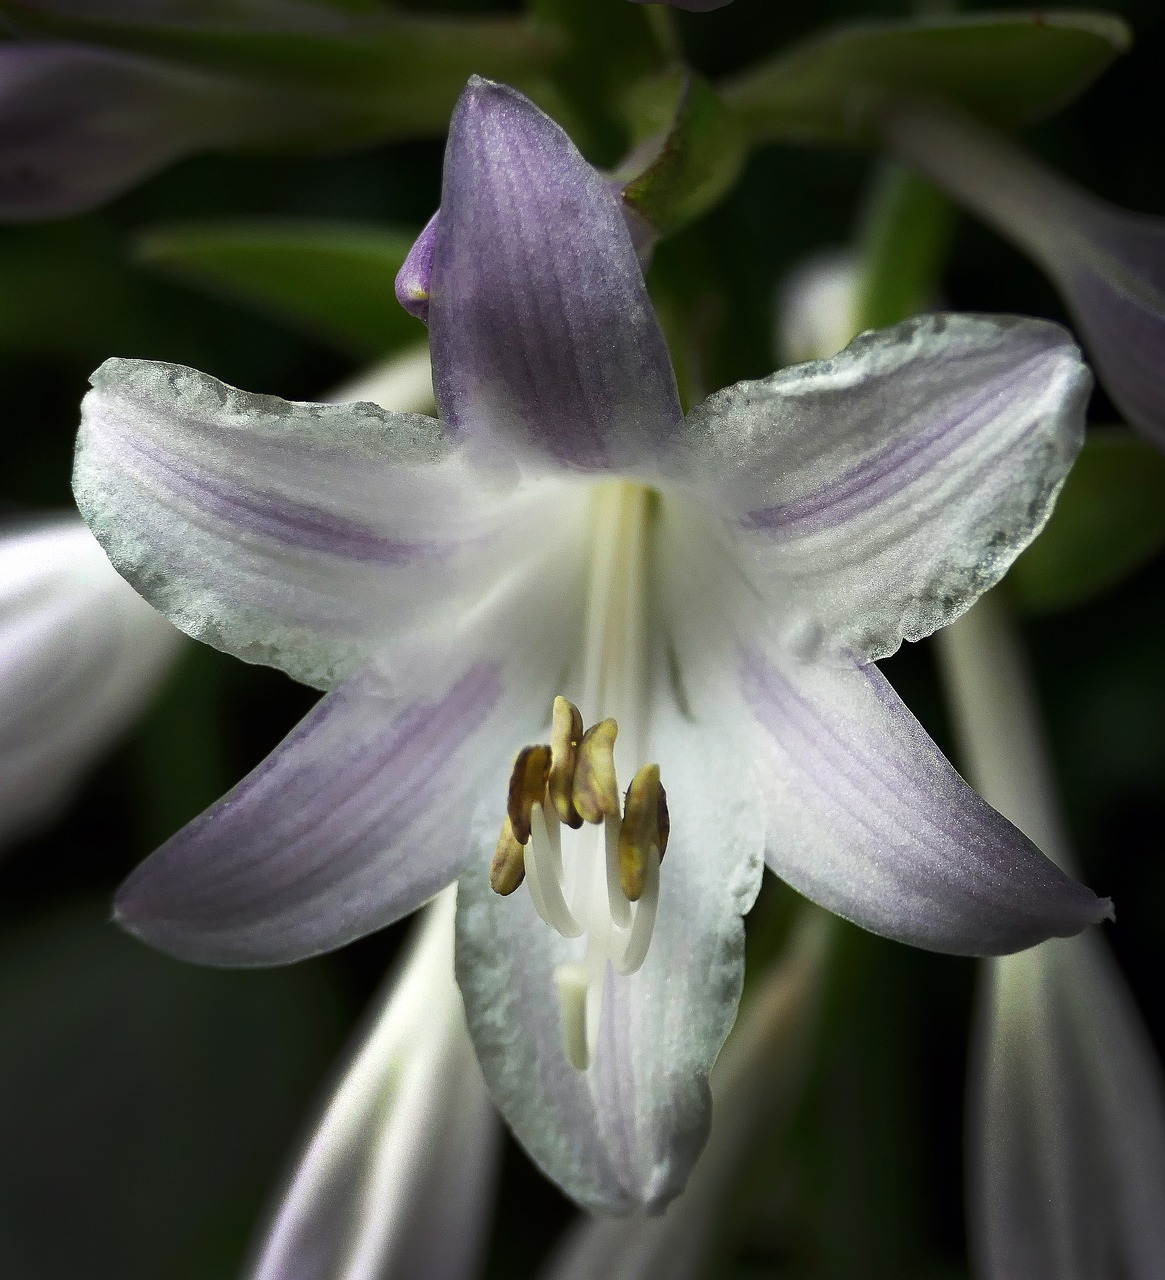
x: 1109, y: 264
x: 398, y: 1177
x: 1067, y: 1098
x: 80, y: 125
x: 80, y: 655
x: 687, y: 609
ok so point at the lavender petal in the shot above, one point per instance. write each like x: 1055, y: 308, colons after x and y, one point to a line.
x: 543, y: 336
x: 867, y: 818
x: 873, y: 496
x: 294, y: 534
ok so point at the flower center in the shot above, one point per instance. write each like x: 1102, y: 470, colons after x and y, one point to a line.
x: 599, y: 879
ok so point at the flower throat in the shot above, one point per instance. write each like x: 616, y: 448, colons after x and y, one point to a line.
x: 600, y: 878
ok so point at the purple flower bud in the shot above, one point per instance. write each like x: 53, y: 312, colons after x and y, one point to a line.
x: 1108, y: 263
x: 78, y: 126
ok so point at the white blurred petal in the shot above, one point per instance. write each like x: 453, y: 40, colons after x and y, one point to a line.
x: 1067, y: 1098
x: 398, y: 1178
x: 817, y: 307
x: 80, y: 654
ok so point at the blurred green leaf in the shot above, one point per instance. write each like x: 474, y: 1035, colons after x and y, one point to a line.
x: 904, y: 239
x: 695, y: 148
x: 333, y: 280
x: 1108, y: 522
x: 145, y: 1106
x: 367, y: 74
x: 1008, y: 68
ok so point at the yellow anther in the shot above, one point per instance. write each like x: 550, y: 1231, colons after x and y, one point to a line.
x: 645, y: 826
x: 527, y: 788
x: 596, y: 789
x: 566, y: 732
x: 508, y: 869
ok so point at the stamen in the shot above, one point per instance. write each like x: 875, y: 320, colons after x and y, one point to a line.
x: 612, y: 859
x: 596, y: 788
x: 508, y: 869
x: 617, y: 902
x: 646, y: 826
x: 527, y: 788
x: 545, y: 861
x: 566, y: 732
x: 643, y: 926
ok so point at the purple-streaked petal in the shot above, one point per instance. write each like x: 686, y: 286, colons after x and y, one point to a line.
x: 1109, y: 264
x: 543, y: 336
x: 414, y: 280
x: 867, y: 818
x: 756, y: 1085
x: 1067, y: 1121
x: 300, y: 535
x: 1114, y: 284
x: 624, y: 1134
x: 398, y: 1177
x: 364, y: 810
x: 80, y: 655
x: 873, y: 496
x: 78, y: 125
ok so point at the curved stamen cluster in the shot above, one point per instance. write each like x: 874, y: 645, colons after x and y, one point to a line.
x: 572, y: 782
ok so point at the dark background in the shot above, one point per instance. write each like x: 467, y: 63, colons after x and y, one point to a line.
x: 146, y: 1107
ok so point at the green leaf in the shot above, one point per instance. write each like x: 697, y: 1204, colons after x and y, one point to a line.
x: 378, y: 74
x: 1010, y: 69
x: 696, y: 146
x: 333, y: 280
x: 1109, y: 521
x: 904, y: 239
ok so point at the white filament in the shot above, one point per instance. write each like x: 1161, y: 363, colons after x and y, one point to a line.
x: 617, y: 931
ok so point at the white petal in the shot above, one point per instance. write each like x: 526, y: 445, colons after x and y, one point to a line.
x: 872, y: 497
x: 398, y: 1178
x: 1068, y: 1122
x: 292, y: 534
x: 80, y: 654
x: 624, y: 1134
x: 756, y: 1085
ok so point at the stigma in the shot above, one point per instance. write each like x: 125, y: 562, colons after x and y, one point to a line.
x: 597, y: 880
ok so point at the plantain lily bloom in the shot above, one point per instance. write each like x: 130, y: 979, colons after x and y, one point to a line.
x: 80, y: 655
x: 1108, y: 264
x: 562, y: 588
x: 398, y: 1177
x: 1066, y: 1175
